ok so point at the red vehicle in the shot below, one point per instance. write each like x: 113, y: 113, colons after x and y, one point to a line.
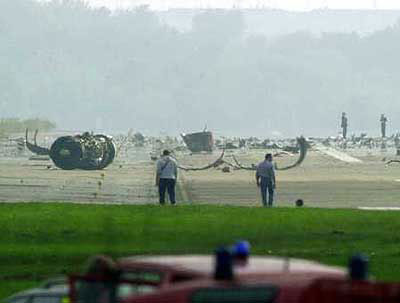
x: 200, y: 279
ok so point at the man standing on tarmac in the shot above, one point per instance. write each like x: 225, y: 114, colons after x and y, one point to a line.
x: 265, y: 178
x: 166, y: 176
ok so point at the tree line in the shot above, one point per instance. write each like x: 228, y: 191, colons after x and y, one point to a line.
x: 94, y: 69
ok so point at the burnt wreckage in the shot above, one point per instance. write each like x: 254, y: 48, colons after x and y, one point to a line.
x: 302, y: 146
x: 199, y: 142
x: 86, y: 151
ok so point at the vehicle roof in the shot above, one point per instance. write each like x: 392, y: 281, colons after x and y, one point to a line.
x: 204, y: 264
x: 59, y: 290
x: 290, y: 276
x: 58, y: 281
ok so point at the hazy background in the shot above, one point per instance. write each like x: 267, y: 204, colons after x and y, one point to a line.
x: 241, y: 72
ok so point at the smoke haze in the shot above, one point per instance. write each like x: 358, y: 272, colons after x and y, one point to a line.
x: 240, y: 72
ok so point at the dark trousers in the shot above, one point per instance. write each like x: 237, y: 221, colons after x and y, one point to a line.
x: 266, y: 185
x: 167, y: 185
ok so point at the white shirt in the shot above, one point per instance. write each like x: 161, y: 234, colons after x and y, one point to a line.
x: 167, y: 168
x: 266, y: 169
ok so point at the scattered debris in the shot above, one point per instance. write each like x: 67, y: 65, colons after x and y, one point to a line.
x: 392, y: 161
x: 226, y: 169
x: 214, y: 164
x: 34, y: 148
x: 303, y: 146
x: 39, y: 158
x: 153, y: 157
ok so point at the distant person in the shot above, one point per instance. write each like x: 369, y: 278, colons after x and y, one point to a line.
x: 166, y: 176
x: 397, y: 140
x: 397, y: 144
x: 344, y: 125
x: 383, y: 125
x: 265, y: 178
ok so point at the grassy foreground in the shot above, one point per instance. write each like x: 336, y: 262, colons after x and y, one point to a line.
x: 41, y: 240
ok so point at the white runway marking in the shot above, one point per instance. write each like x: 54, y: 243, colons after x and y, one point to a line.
x: 337, y: 154
x: 378, y: 208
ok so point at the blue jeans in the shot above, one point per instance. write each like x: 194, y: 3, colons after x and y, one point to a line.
x: 167, y: 185
x: 266, y: 185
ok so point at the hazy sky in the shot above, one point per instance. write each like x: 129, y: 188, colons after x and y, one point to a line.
x: 299, y: 5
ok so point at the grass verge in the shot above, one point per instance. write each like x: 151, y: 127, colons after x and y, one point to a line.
x: 41, y: 240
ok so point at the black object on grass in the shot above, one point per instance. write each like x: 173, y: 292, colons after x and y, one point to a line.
x: 299, y: 202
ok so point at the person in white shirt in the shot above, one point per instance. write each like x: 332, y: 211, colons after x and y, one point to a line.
x: 166, y: 176
x: 265, y: 178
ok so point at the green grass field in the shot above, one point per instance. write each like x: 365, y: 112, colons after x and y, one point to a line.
x: 42, y: 240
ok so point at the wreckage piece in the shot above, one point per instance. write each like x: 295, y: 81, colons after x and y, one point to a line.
x: 123, y: 142
x: 34, y: 148
x: 392, y: 161
x: 303, y: 145
x: 252, y: 167
x: 199, y: 142
x: 110, y: 150
x: 86, y: 151
x: 234, y: 166
x: 214, y: 164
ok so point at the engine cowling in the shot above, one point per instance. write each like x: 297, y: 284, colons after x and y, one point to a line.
x: 86, y: 151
